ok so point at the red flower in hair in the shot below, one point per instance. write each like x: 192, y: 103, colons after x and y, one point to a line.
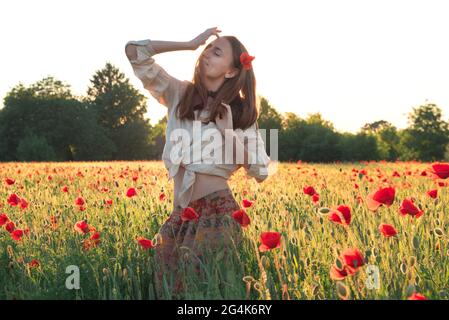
x: 245, y: 60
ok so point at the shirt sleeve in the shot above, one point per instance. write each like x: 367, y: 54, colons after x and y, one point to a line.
x: 162, y: 86
x: 258, y: 159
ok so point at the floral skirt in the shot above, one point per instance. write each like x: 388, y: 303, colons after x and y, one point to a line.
x: 188, y: 241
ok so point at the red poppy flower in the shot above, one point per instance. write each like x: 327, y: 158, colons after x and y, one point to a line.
x: 383, y: 196
x: 417, y: 296
x: 432, y: 193
x: 309, y: 190
x: 315, y: 198
x: 108, y: 202
x: 247, y: 203
x: 82, y: 227
x: 65, y: 189
x: 337, y: 274
x: 341, y: 215
x: 440, y: 170
x: 23, y: 203
x: 387, y: 230
x: 408, y: 207
x: 189, y: 214
x: 245, y: 60
x: 54, y: 222
x: 34, y: 263
x: 10, y: 181
x: 145, y: 243
x: 94, y: 239
x: 13, y: 200
x: 241, y: 217
x: 79, y: 201
x: 131, y: 192
x: 352, y: 260
x: 10, y: 227
x: 17, y: 234
x: 270, y: 240
x: 3, y: 219
x: 162, y: 196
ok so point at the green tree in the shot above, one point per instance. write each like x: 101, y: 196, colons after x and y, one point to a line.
x: 313, y: 139
x: 387, y: 138
x: 427, y: 135
x: 360, y: 146
x: 269, y: 119
x: 68, y: 125
x: 34, y: 148
x: 289, y: 137
x: 157, y: 138
x: 320, y: 140
x: 120, y: 109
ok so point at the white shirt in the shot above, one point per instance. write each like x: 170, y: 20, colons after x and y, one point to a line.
x: 168, y: 91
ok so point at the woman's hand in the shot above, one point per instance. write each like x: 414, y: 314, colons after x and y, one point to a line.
x: 224, y: 122
x: 203, y: 37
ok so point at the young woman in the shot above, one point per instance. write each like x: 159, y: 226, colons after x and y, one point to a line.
x: 221, y: 97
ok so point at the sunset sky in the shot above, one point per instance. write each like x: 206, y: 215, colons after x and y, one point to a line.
x: 353, y: 61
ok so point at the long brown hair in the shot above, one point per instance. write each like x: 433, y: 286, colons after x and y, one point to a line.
x: 239, y: 92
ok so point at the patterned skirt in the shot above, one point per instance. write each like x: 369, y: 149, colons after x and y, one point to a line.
x: 186, y: 242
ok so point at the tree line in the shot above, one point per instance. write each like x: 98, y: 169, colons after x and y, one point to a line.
x: 45, y: 121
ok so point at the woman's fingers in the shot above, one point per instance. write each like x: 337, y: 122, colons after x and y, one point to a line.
x: 228, y: 107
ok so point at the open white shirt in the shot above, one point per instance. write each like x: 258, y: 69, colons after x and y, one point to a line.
x: 168, y: 91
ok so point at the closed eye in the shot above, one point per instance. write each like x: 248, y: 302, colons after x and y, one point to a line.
x: 216, y: 51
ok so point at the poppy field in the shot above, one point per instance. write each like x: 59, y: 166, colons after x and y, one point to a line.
x: 365, y: 230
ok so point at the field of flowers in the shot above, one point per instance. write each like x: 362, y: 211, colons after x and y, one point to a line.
x: 369, y: 230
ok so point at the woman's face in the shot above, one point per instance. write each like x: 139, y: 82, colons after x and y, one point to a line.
x: 216, y: 60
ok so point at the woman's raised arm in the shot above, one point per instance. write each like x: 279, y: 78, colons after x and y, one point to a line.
x: 165, y: 88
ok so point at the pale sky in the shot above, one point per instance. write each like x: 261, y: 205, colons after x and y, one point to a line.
x: 353, y: 61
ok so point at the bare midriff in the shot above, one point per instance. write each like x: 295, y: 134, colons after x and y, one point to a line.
x: 204, y: 184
